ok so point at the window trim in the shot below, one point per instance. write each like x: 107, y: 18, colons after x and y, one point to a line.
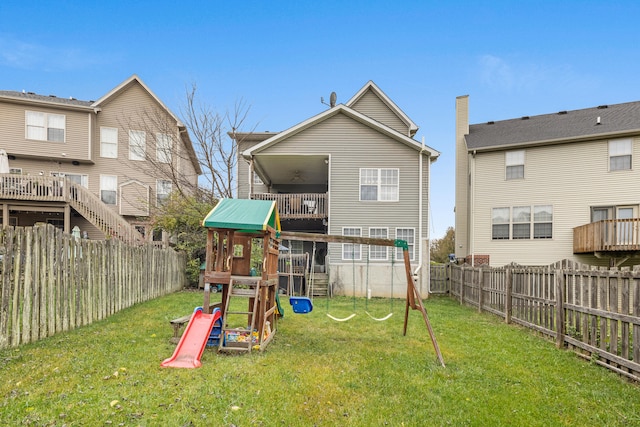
x: 164, y: 148
x: 103, y: 142
x: 137, y: 144
x: 386, y: 248
x: 158, y: 193
x: 514, y: 163
x: 509, y: 224
x: 115, y: 190
x: 412, y: 246
x: 620, y: 155
x: 44, y: 126
x: 379, y: 185
x: 353, y: 251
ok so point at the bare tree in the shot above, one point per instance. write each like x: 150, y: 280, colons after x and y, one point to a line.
x: 214, y: 139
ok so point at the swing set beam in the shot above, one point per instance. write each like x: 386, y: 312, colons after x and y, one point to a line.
x: 413, y: 300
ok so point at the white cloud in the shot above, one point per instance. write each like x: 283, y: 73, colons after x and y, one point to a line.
x: 25, y: 55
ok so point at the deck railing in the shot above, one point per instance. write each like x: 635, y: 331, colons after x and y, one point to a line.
x: 59, y: 189
x: 609, y: 235
x: 298, y: 205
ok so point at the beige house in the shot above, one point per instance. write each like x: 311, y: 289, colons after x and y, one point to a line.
x: 539, y: 189
x: 100, y: 166
x: 353, y: 169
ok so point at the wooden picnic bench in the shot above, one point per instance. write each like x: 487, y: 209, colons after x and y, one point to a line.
x: 178, y: 323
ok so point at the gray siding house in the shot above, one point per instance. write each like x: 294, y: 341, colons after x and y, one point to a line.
x: 540, y: 189
x: 94, y: 165
x: 353, y: 169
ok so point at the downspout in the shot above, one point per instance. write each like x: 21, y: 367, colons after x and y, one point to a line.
x: 420, y: 214
x: 251, y: 173
x: 472, y: 170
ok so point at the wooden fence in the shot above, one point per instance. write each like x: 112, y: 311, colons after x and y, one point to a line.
x: 592, y: 311
x: 52, y: 282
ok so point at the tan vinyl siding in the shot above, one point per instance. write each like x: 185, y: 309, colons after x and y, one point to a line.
x: 351, y: 146
x: 371, y: 105
x: 570, y: 177
x: 126, y: 111
x: 244, y: 173
x: 13, y: 132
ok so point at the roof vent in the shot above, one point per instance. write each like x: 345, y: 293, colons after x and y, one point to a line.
x: 598, y: 120
x: 562, y: 112
x: 31, y: 93
x: 602, y: 107
x: 491, y: 122
x: 52, y: 96
x: 525, y: 117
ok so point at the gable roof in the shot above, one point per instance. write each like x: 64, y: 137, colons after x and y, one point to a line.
x: 128, y: 82
x: 243, y: 215
x: 604, y: 121
x: 370, y: 86
x: 349, y: 112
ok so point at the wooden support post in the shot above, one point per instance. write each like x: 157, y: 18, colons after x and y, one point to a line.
x: 507, y: 298
x: 480, y: 283
x: 415, y: 300
x: 560, y: 327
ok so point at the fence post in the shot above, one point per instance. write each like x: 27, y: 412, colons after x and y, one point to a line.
x: 480, y: 283
x: 560, y: 327
x: 462, y: 285
x: 507, y: 302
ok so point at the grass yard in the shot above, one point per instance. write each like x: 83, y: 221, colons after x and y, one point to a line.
x: 316, y: 372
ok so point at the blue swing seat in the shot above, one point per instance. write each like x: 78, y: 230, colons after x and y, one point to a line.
x: 301, y: 305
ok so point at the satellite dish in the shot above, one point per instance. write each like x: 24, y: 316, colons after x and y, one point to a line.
x: 332, y: 99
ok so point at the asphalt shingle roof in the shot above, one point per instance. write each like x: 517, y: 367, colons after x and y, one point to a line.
x: 44, y: 98
x: 564, y: 125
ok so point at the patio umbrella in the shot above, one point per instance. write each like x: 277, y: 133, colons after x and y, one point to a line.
x: 4, y: 162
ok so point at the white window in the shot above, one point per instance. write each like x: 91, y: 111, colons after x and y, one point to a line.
x: 521, y: 222
x: 15, y: 171
x: 379, y: 184
x: 296, y: 247
x: 514, y: 164
x: 163, y: 189
x: 257, y: 180
x: 137, y: 144
x: 620, y: 151
x: 109, y: 142
x: 500, y: 223
x: 164, y: 147
x: 351, y: 251
x: 543, y: 222
x: 378, y: 253
x: 45, y: 127
x: 108, y: 189
x: 408, y: 235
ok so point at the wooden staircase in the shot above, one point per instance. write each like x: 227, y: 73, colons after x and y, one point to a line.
x: 319, y: 284
x: 100, y: 215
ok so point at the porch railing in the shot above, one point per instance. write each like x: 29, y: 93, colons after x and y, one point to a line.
x: 609, y: 235
x: 298, y: 205
x: 58, y: 189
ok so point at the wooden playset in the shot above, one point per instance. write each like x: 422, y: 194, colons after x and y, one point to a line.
x: 234, y: 226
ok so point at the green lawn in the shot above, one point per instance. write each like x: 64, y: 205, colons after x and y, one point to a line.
x: 316, y: 372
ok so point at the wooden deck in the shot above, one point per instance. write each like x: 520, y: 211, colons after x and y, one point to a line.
x: 609, y: 235
x: 298, y: 205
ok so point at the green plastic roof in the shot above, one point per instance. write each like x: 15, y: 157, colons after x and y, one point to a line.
x: 243, y: 215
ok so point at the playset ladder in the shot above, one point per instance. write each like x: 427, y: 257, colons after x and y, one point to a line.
x: 250, y: 290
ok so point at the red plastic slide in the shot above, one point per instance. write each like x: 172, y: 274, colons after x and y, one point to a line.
x: 193, y: 341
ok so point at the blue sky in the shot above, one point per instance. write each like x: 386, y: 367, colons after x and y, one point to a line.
x: 512, y: 58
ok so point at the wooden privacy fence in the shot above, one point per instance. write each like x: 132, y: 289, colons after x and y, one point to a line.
x: 52, y: 282
x: 594, y: 312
